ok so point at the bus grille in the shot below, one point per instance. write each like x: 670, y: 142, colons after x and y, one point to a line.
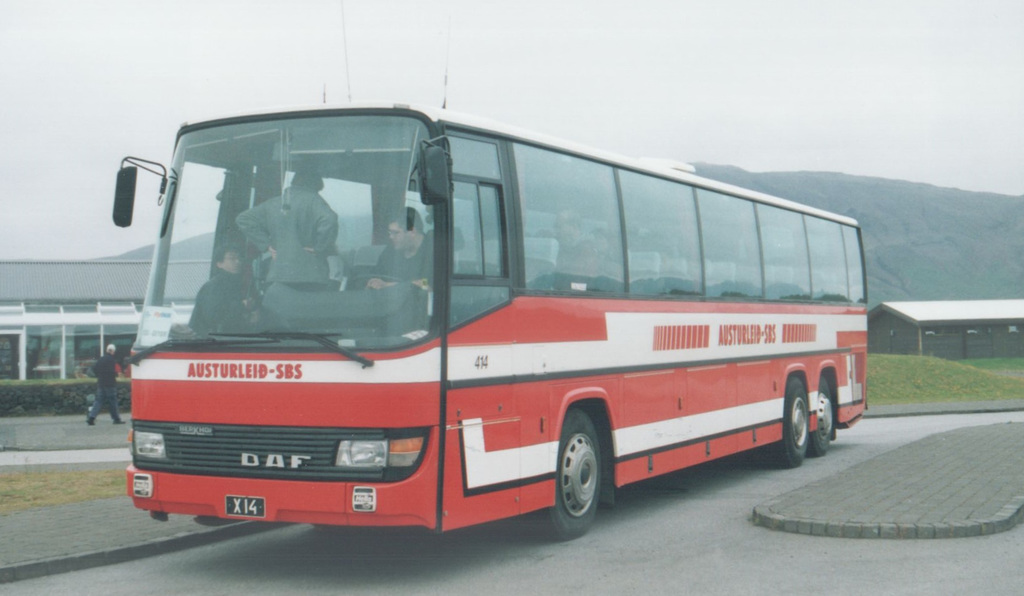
x: 286, y: 453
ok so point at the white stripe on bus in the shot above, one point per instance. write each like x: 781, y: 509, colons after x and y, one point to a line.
x: 487, y: 468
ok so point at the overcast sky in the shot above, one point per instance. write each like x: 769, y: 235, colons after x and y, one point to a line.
x: 922, y: 90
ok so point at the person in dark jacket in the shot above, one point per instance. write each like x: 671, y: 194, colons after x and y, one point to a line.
x: 106, y: 370
x: 220, y: 304
x: 298, y: 229
x: 409, y: 257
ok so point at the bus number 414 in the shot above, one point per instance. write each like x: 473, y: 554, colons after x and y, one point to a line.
x: 481, y: 362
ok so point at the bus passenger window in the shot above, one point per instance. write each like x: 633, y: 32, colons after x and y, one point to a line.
x: 571, y: 226
x: 733, y: 258
x: 661, y: 232
x: 783, y: 241
x: 828, y: 260
x: 854, y: 266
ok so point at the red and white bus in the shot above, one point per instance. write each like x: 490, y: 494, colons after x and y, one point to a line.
x: 458, y: 321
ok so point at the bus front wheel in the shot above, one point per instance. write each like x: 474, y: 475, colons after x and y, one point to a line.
x: 577, y: 477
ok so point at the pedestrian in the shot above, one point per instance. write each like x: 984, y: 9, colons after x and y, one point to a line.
x: 106, y: 370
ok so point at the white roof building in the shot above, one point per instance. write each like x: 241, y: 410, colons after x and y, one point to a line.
x: 945, y: 311
x: 951, y: 329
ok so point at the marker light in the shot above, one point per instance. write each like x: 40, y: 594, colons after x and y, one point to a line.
x: 404, y: 452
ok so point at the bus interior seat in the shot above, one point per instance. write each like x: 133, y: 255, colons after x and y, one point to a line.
x: 644, y: 264
x: 364, y: 260
x: 541, y: 254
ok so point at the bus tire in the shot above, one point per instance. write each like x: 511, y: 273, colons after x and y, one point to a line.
x: 577, y: 477
x: 793, y: 448
x: 822, y: 438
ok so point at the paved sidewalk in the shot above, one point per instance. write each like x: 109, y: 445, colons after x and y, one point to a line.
x: 964, y: 482
x: 64, y: 538
x: 49, y: 540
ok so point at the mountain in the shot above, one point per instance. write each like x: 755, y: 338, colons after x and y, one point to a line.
x: 195, y: 248
x: 921, y: 242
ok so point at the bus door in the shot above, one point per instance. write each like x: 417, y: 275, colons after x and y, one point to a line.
x: 482, y: 460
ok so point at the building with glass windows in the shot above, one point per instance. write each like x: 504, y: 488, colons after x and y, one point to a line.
x: 57, y: 316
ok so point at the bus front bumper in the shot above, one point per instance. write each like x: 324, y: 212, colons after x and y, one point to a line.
x: 407, y: 503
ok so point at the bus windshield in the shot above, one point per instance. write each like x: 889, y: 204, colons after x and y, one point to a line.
x: 285, y: 228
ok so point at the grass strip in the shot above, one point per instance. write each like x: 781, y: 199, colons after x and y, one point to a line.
x: 902, y: 380
x: 26, y: 490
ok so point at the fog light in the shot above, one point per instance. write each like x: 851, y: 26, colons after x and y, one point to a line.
x: 142, y: 485
x: 364, y: 499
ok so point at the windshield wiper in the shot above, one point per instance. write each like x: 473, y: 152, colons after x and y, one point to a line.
x: 178, y: 343
x: 320, y: 339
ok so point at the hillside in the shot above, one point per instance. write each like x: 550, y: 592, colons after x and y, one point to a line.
x: 921, y: 242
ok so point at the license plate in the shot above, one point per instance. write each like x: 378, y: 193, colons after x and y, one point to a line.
x: 244, y: 506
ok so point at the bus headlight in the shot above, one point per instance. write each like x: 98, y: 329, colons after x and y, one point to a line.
x: 362, y: 454
x: 150, y: 445
x: 375, y: 454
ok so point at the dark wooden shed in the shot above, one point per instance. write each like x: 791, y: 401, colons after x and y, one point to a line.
x: 953, y: 330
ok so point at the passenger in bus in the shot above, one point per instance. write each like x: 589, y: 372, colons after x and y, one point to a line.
x: 587, y: 259
x: 221, y: 304
x: 569, y: 234
x: 409, y: 257
x: 298, y: 229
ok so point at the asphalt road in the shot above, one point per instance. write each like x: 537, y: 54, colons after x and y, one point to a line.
x: 686, y: 533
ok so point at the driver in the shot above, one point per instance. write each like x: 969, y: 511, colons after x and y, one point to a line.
x: 408, y: 258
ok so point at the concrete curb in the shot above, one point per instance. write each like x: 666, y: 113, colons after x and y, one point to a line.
x: 1009, y: 517
x: 122, y: 554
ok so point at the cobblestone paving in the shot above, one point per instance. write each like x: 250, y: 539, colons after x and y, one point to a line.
x: 965, y: 482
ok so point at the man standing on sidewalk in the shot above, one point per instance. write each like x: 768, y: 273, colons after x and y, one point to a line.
x: 106, y: 387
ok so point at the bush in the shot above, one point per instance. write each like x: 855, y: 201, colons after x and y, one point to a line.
x: 47, y: 398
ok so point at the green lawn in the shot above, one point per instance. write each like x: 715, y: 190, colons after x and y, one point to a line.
x: 1011, y: 364
x: 923, y: 379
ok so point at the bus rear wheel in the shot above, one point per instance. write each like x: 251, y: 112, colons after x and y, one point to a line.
x: 822, y: 438
x: 577, y: 477
x: 793, y: 448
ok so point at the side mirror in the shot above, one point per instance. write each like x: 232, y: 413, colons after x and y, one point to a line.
x: 124, y: 196
x: 437, y: 183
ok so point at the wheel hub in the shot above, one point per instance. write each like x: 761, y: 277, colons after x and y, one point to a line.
x: 578, y: 482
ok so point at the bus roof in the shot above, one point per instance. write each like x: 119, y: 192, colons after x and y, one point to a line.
x: 661, y: 167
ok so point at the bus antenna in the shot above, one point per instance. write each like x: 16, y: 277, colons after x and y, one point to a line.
x: 447, y: 59
x: 344, y: 41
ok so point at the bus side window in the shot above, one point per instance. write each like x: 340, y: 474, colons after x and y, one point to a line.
x: 571, y: 218
x: 729, y: 231
x: 854, y: 266
x: 784, y: 244
x: 478, y: 239
x: 829, y: 279
x: 664, y: 246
